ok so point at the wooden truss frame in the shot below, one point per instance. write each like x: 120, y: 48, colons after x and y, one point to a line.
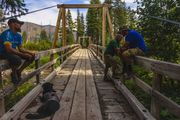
x: 62, y: 16
x: 83, y: 37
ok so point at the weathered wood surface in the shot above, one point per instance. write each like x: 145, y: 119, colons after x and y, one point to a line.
x: 172, y: 70
x: 59, y: 84
x: 67, y: 98
x: 4, y: 64
x: 140, y: 110
x: 78, y: 111
x: 93, y: 106
x: 114, y: 106
x: 80, y: 98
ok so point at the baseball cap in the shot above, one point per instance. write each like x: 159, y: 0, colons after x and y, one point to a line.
x: 123, y: 28
x: 14, y: 20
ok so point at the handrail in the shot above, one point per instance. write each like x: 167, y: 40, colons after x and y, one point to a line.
x: 159, y: 69
x: 65, y: 52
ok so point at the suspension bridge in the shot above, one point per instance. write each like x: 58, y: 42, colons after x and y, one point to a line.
x: 79, y: 84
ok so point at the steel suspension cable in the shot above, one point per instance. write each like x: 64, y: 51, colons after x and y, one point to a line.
x: 6, y: 18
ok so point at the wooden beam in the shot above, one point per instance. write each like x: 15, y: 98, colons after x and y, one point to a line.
x: 140, y: 110
x: 93, y: 106
x: 67, y: 98
x: 103, y: 26
x: 14, y: 112
x: 172, y: 70
x: 155, y: 105
x: 2, y: 105
x: 63, y: 27
x: 78, y: 110
x: 110, y: 23
x: 83, y: 5
x: 57, y: 29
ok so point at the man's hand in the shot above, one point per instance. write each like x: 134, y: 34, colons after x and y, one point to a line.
x: 27, y: 56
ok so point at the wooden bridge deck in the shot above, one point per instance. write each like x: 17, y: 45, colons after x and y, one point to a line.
x: 83, y: 93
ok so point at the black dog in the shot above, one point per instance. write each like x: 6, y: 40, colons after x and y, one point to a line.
x: 50, y: 103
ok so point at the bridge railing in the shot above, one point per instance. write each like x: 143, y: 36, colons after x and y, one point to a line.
x: 63, y: 53
x: 158, y: 100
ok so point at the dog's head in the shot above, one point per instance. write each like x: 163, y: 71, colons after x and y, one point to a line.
x: 47, y: 87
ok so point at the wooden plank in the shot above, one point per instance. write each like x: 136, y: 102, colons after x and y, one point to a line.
x: 37, y: 64
x: 2, y: 105
x: 78, y: 110
x: 93, y: 107
x: 140, y: 110
x: 63, y: 26
x: 144, y: 86
x: 155, y: 106
x: 16, y: 110
x: 67, y: 98
x: 103, y: 26
x: 172, y: 107
x: 172, y: 70
x: 121, y: 116
x: 110, y: 24
x: 82, y: 5
x: 59, y: 82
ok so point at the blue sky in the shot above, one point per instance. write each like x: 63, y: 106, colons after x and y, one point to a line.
x: 49, y: 16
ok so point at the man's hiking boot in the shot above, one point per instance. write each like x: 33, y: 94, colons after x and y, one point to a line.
x: 14, y: 78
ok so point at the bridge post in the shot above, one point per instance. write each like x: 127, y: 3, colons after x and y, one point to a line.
x: 51, y: 58
x: 103, y: 26
x: 2, y: 105
x: 37, y: 62
x: 63, y: 26
x: 155, y: 105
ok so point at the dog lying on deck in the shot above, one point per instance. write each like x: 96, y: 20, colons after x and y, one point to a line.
x: 50, y: 103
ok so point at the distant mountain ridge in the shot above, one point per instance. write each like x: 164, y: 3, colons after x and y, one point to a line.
x: 33, y: 30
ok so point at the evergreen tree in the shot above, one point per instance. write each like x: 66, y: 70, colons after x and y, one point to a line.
x: 1, y: 13
x: 94, y: 18
x: 78, y: 21
x: 13, y: 6
x: 43, y: 35
x: 118, y: 13
x: 24, y: 36
x: 82, y: 25
x: 162, y: 37
x: 70, y: 37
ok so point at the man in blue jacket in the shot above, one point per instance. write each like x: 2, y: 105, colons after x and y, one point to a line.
x: 10, y: 40
x: 134, y: 45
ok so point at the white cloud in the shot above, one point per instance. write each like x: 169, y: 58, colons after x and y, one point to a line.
x: 86, y: 2
x: 44, y: 17
x: 74, y: 13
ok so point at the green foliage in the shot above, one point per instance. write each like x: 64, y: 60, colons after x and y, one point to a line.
x: 24, y: 36
x: 162, y: 37
x: 94, y: 24
x: 14, y: 97
x: 38, y: 45
x: 169, y: 88
x: 119, y: 16
x: 1, y: 13
x: 43, y: 35
x: 80, y: 24
x: 13, y: 7
x: 71, y: 25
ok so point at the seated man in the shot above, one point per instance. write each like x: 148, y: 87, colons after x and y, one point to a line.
x: 134, y: 45
x: 10, y: 39
x: 111, y: 51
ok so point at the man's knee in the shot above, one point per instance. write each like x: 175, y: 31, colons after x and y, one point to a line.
x: 15, y: 61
